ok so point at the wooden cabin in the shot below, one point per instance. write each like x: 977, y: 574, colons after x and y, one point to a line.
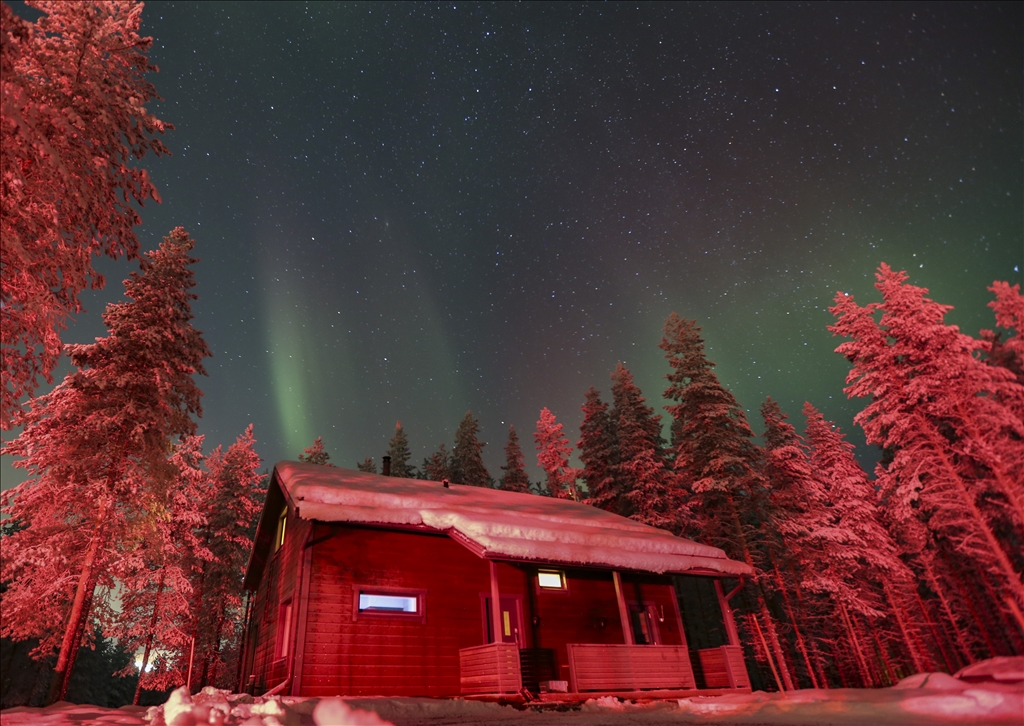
x: 362, y: 585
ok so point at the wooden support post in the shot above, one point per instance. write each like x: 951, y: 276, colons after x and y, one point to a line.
x: 627, y: 628
x: 495, y: 603
x: 730, y: 623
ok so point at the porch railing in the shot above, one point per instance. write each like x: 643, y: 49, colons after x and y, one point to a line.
x: 601, y: 667
x: 491, y: 668
x: 724, y: 667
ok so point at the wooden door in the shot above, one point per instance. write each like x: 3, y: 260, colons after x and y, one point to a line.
x: 511, y: 619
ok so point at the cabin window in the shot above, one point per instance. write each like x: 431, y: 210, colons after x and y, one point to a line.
x: 551, y: 580
x: 284, y: 629
x: 386, y: 602
x: 282, y: 523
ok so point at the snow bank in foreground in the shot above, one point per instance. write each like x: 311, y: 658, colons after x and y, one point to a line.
x: 992, y: 694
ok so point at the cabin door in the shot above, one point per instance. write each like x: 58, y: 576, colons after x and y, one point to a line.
x: 645, y: 620
x: 511, y: 619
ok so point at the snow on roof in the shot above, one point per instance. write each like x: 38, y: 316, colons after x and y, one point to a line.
x: 498, y: 524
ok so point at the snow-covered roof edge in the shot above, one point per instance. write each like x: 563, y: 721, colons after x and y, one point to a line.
x: 493, y: 523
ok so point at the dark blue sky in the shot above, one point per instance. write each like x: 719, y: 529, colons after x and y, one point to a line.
x: 407, y: 211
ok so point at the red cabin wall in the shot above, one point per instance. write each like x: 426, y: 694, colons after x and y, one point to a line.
x: 348, y: 657
x: 397, y: 657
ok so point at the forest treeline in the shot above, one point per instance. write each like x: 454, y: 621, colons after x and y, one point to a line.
x: 859, y: 581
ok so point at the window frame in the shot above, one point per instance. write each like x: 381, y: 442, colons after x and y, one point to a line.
x: 420, y: 616
x: 552, y: 571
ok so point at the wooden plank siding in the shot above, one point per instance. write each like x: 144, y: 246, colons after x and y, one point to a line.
x: 724, y: 667
x: 491, y: 668
x: 347, y: 656
x: 277, y: 586
x: 629, y: 667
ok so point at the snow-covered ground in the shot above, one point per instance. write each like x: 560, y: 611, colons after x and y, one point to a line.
x: 986, y: 693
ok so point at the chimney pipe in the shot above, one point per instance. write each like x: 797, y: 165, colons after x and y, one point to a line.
x: 386, y: 465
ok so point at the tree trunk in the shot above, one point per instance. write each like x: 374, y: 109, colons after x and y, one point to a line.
x: 937, y: 588
x: 796, y: 627
x: 79, y: 612
x: 149, y: 637
x: 897, y: 613
x: 862, y: 664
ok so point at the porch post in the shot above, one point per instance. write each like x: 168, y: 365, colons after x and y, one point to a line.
x: 730, y: 623
x: 627, y: 628
x: 495, y: 603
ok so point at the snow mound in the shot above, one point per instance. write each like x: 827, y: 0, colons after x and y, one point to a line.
x: 934, y: 681
x: 221, y: 708
x: 1004, y: 669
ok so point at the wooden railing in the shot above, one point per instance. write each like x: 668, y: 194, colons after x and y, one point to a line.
x: 491, y: 668
x: 724, y: 667
x: 594, y: 667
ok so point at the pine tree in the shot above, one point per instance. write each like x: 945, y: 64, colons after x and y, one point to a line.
x: 598, y: 454
x: 1009, y: 309
x: 467, y: 464
x: 95, y: 443
x: 553, y: 451
x: 946, y: 420
x: 234, y: 503
x: 316, y: 454
x: 74, y: 124
x: 155, y: 613
x: 398, y: 450
x: 649, y: 487
x: 437, y: 466
x: 713, y: 451
x: 515, y: 478
x: 367, y: 465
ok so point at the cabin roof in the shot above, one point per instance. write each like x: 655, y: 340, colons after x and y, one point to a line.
x: 496, y: 524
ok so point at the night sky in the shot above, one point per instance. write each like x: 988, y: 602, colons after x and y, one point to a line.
x: 407, y: 211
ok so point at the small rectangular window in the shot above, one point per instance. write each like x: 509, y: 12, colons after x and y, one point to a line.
x: 369, y: 602
x: 551, y: 579
x: 284, y: 629
x: 388, y: 603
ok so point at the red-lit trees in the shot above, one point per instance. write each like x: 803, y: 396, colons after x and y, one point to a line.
x: 514, y: 479
x: 950, y: 428
x: 648, y: 484
x: 94, y: 444
x: 467, y: 463
x: 316, y: 454
x: 233, y: 503
x: 73, y: 125
x: 597, y: 452
x: 553, y: 451
x: 398, y: 450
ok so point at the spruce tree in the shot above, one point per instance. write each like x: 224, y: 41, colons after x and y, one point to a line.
x: 315, y: 454
x: 398, y: 450
x: 467, y: 464
x: 515, y: 478
x: 95, y: 443
x: 598, y: 454
x: 553, y: 451
x: 367, y: 465
x: 649, y: 487
x: 437, y: 466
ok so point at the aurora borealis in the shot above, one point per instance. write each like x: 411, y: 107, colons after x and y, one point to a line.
x: 406, y: 211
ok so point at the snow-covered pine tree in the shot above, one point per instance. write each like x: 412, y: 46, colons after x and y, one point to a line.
x: 599, y: 455
x: 316, y: 454
x: 437, y: 466
x: 713, y: 450
x: 398, y: 450
x: 95, y: 443
x: 795, y: 496
x: 368, y: 465
x: 514, y: 479
x: 74, y: 125
x: 947, y: 423
x: 467, y: 464
x: 234, y: 502
x: 553, y: 451
x: 648, y: 485
x: 849, y: 556
x: 156, y: 599
x: 1007, y: 352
